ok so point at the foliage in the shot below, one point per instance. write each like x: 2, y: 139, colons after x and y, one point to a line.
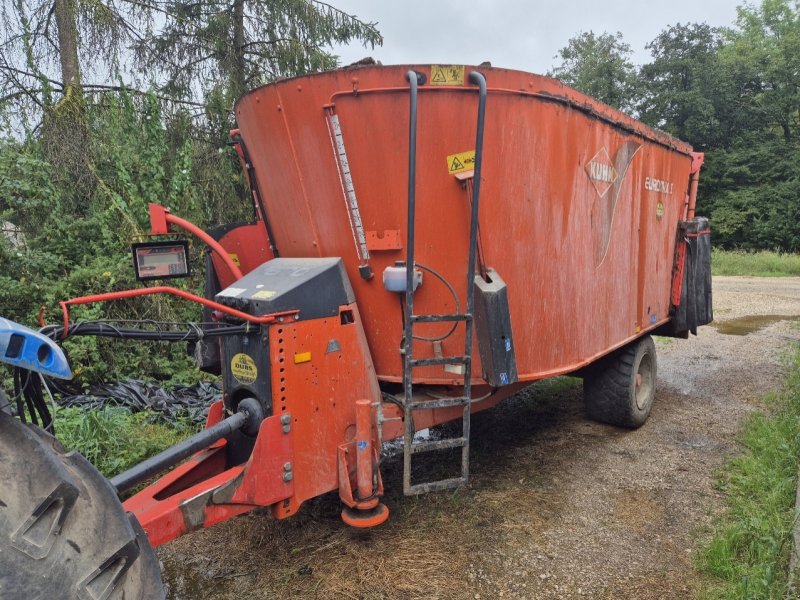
x: 68, y: 245
x: 751, y: 192
x: 114, y: 439
x: 747, y: 556
x: 600, y: 66
x: 681, y: 85
x: 230, y: 47
x: 754, y: 264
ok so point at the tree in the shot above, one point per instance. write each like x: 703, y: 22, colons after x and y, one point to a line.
x: 687, y: 92
x: 43, y: 58
x: 226, y: 48
x: 765, y: 51
x: 600, y: 66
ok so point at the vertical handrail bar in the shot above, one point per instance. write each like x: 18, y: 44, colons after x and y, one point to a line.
x: 478, y: 79
x: 408, y: 340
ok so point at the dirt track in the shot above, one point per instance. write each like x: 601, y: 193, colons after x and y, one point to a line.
x: 558, y: 507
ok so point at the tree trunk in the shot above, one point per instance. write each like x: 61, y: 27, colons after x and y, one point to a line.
x: 65, y: 131
x: 238, y: 77
x: 68, y: 45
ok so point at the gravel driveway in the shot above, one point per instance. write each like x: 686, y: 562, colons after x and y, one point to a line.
x: 558, y: 506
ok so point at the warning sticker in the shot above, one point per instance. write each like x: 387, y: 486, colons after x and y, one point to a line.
x: 659, y: 210
x: 235, y: 258
x: 463, y: 161
x: 264, y: 295
x: 243, y: 368
x: 447, y: 75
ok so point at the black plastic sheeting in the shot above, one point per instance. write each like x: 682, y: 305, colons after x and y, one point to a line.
x: 185, y: 402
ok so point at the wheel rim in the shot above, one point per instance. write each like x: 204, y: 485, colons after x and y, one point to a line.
x: 643, y: 382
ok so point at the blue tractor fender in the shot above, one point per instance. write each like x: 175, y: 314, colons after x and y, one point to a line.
x: 23, y: 347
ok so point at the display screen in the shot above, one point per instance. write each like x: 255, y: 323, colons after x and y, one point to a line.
x: 161, y: 260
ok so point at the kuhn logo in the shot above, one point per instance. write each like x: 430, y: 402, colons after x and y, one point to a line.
x: 607, y: 177
x: 601, y: 172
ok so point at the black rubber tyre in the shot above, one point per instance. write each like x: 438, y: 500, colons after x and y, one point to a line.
x: 63, y: 533
x: 620, y: 388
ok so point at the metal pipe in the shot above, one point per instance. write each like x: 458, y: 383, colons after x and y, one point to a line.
x: 697, y: 161
x: 172, y: 456
x: 408, y: 340
x: 160, y: 221
x: 478, y: 79
x: 209, y: 241
x: 412, y: 203
x: 364, y: 448
x: 124, y: 294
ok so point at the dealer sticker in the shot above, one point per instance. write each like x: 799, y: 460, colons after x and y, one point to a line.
x: 244, y: 368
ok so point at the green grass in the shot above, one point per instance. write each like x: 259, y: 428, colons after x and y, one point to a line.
x: 114, y: 438
x: 755, y: 264
x: 748, y: 555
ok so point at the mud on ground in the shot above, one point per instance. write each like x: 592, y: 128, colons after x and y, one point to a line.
x: 558, y: 506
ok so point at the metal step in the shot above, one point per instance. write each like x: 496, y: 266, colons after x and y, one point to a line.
x: 448, y: 402
x: 436, y: 486
x: 431, y: 445
x: 451, y: 318
x: 439, y: 360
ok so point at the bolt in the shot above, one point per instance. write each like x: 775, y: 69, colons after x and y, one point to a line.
x: 288, y: 476
x: 287, y: 467
x: 286, y: 419
x: 287, y: 428
x: 297, y: 317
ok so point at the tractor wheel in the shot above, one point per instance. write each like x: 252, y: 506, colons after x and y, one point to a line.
x: 620, y: 389
x: 63, y: 533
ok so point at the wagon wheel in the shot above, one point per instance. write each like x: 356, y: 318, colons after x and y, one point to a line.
x: 620, y: 389
x: 63, y: 533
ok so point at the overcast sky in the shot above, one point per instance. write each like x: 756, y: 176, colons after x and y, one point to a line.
x: 514, y: 33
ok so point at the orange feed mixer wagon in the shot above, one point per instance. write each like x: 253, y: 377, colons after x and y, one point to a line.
x: 427, y: 240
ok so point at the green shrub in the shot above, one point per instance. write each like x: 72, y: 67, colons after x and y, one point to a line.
x: 114, y: 439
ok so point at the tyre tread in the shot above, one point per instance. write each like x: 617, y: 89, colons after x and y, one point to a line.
x: 609, y: 390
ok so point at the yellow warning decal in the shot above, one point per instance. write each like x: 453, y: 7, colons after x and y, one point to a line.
x: 302, y: 357
x: 235, y: 258
x: 463, y: 161
x: 447, y: 75
x: 264, y: 295
x: 243, y: 368
x: 659, y: 210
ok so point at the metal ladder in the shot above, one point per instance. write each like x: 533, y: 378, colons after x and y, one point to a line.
x: 410, y: 446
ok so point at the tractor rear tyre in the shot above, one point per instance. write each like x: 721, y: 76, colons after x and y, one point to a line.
x: 620, y: 388
x: 63, y: 533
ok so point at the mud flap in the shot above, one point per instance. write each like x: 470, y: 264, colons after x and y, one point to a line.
x: 691, y: 284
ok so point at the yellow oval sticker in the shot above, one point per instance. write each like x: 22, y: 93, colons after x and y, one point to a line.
x: 244, y: 368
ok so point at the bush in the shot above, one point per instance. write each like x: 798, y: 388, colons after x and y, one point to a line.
x: 114, y: 439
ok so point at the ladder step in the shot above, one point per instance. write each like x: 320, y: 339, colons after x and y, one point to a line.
x: 436, y: 486
x: 440, y: 318
x: 439, y: 360
x: 448, y: 402
x: 431, y: 445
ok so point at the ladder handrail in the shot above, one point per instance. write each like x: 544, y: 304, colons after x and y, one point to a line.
x: 480, y: 81
x: 409, y: 448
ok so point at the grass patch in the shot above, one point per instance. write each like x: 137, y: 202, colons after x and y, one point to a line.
x: 748, y: 556
x: 114, y: 439
x: 754, y: 264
